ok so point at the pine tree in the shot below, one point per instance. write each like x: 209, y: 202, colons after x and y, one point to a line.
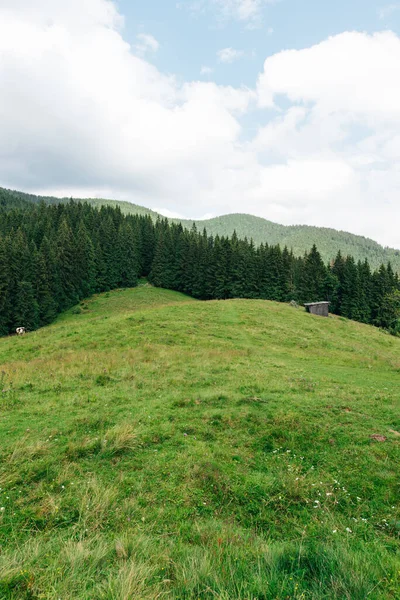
x: 129, y: 256
x: 46, y: 284
x: 313, y: 277
x: 337, y: 269
x: 162, y: 270
x: 110, y: 251
x: 382, y: 284
x: 5, y: 299
x: 86, y: 266
x: 390, y: 312
x: 148, y: 245
x: 364, y: 298
x: 68, y: 293
x: 26, y: 311
x: 350, y: 288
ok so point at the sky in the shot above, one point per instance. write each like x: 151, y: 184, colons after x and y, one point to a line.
x: 285, y: 109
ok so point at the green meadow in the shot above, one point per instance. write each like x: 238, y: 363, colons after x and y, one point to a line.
x: 153, y: 446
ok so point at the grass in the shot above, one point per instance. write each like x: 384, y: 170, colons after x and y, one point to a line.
x: 152, y: 446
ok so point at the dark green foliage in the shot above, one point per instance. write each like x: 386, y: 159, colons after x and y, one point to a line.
x: 297, y: 237
x: 389, y: 313
x: 26, y: 309
x: 46, y: 284
x: 129, y: 265
x: 313, y: 277
x: 54, y: 255
x: 86, y: 268
x: 5, y: 299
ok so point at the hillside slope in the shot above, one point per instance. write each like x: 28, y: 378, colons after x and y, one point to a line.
x: 153, y: 446
x: 298, y: 237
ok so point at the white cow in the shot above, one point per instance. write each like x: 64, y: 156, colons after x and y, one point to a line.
x: 20, y: 330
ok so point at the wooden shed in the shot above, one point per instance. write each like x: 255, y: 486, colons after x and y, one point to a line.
x: 318, y: 308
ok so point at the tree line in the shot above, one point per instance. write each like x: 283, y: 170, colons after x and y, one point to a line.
x: 53, y: 256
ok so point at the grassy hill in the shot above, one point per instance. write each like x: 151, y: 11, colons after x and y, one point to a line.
x: 153, y: 446
x: 298, y: 237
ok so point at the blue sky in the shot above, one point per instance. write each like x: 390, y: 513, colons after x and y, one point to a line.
x: 288, y: 110
x: 190, y: 39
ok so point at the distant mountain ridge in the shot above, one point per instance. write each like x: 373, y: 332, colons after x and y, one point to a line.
x: 299, y: 238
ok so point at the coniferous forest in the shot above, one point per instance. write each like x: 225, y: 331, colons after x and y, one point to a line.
x: 53, y: 256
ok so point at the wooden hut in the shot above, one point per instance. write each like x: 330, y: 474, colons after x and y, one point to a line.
x: 318, y: 308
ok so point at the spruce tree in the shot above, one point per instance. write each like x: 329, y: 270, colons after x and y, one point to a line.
x: 129, y: 256
x: 313, y: 277
x: 68, y: 293
x: 86, y: 267
x: 47, y: 304
x: 5, y: 299
x: 350, y: 289
x: 26, y: 310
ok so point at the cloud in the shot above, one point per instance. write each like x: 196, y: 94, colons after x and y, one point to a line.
x: 229, y: 55
x: 388, y: 10
x: 351, y: 72
x: 344, y: 97
x: 242, y: 10
x: 146, y: 43
x: 206, y: 70
x: 246, y: 11
x: 165, y: 212
x: 84, y: 115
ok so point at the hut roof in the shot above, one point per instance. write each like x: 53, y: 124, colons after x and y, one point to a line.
x: 315, y: 303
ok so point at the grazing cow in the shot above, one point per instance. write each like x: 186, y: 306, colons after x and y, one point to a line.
x: 20, y: 330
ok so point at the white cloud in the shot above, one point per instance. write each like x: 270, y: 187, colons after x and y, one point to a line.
x: 243, y: 10
x: 84, y: 116
x: 146, y: 43
x: 206, y: 70
x: 165, y: 212
x: 229, y: 55
x: 349, y: 72
x: 344, y: 99
x: 388, y: 10
x: 246, y: 11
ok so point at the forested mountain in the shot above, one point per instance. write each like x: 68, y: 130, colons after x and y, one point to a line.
x: 299, y: 238
x: 14, y: 199
x: 54, y: 255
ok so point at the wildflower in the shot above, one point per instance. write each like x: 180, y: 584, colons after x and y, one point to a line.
x: 334, y: 530
x: 348, y: 530
x: 2, y: 508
